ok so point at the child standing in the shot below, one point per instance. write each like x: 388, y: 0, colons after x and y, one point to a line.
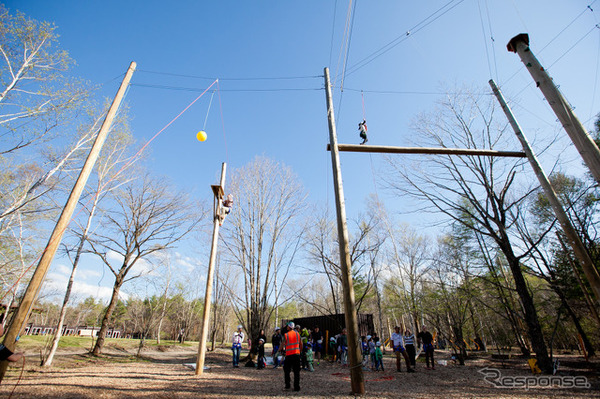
x: 333, y: 348
x: 309, y: 357
x: 261, y: 354
x: 364, y: 346
x: 378, y: 357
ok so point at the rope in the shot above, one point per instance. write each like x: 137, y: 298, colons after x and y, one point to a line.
x: 332, y: 31
x: 362, y: 96
x: 555, y: 37
x: 595, y: 80
x: 208, y: 110
x: 485, y: 44
x: 487, y: 11
x: 184, y: 88
x: 419, y: 26
x: 348, y: 46
x: 222, y: 122
x: 18, y: 380
x: 242, y: 79
x: 344, y: 42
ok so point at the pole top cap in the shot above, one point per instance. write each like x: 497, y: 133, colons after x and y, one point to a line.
x: 512, y: 44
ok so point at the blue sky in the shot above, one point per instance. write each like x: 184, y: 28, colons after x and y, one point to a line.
x: 238, y: 41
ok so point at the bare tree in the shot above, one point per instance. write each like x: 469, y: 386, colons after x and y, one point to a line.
x: 148, y: 217
x: 262, y: 235
x: 109, y: 177
x: 32, y: 86
x: 480, y: 187
x: 323, y: 250
x: 222, y: 301
x: 409, y: 262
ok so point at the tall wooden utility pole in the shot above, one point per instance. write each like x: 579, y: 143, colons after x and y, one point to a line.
x: 578, y: 248
x: 35, y: 284
x: 583, y: 142
x: 218, y: 191
x: 356, y: 374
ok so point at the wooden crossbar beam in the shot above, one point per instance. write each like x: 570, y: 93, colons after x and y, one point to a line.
x: 423, y: 150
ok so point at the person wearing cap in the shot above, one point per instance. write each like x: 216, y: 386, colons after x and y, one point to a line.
x: 291, y: 346
x: 276, y: 341
x: 399, y: 350
x: 236, y: 347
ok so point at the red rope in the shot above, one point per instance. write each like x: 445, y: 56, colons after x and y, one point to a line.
x: 19, y: 380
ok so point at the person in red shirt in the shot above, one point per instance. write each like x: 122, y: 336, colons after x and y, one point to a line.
x: 291, y: 347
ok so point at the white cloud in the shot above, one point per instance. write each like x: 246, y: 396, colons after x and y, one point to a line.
x: 62, y: 269
x: 112, y: 255
x: 56, y: 285
x: 88, y: 274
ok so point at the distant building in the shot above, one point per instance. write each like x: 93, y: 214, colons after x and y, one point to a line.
x: 82, y: 331
x: 333, y: 324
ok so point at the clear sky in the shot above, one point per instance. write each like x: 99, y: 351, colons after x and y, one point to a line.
x: 431, y: 44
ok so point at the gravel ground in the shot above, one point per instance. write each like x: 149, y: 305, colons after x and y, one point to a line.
x: 163, y: 374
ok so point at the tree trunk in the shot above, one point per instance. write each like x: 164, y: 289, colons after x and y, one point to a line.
x: 107, y: 316
x: 8, y: 306
x: 63, y: 310
x: 531, y: 318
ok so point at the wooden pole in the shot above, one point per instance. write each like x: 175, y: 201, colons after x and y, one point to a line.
x: 424, y: 150
x: 356, y: 375
x: 583, y: 142
x: 211, y: 271
x: 35, y: 284
x: 578, y: 248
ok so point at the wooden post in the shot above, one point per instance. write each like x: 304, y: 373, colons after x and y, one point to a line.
x: 35, y: 284
x: 578, y: 248
x: 583, y: 142
x: 211, y: 271
x: 356, y: 374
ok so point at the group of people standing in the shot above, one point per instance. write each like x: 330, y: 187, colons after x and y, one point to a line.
x: 297, y: 349
x: 403, y: 345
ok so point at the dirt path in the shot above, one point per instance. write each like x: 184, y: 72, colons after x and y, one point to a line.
x: 164, y: 375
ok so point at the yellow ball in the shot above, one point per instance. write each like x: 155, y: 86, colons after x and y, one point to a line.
x: 201, y: 136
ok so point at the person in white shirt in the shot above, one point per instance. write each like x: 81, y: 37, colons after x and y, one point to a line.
x: 236, y: 347
x: 398, y: 344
